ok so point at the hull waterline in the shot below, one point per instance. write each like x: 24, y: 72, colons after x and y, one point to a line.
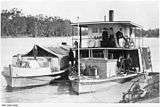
x: 94, y: 85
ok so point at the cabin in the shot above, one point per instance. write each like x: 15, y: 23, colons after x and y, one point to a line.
x: 105, y: 60
x: 40, y: 56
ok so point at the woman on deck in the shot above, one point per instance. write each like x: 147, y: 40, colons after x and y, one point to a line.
x: 112, y: 39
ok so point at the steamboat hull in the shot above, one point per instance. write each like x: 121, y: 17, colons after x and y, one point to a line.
x: 88, y: 86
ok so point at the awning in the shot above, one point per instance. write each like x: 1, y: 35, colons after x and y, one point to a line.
x: 125, y: 23
x: 49, y: 51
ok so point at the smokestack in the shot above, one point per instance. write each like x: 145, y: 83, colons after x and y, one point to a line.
x: 111, y: 15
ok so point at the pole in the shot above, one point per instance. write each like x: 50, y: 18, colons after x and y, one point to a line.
x: 78, y: 48
x: 142, y: 36
x: 80, y: 34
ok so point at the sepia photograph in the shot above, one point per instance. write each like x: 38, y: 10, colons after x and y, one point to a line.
x: 79, y: 51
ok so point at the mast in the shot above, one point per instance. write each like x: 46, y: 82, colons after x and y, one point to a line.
x: 78, y: 47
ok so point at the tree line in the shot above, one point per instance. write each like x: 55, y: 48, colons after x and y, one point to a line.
x: 15, y: 24
x: 147, y: 33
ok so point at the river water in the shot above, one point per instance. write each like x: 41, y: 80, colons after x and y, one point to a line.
x: 60, y: 92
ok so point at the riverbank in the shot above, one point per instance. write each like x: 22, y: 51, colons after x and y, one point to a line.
x: 152, y: 89
x: 150, y: 100
x: 145, y: 88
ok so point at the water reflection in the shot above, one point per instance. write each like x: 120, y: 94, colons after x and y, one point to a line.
x: 60, y: 91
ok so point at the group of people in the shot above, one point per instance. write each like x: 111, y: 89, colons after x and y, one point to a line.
x: 125, y: 65
x: 111, y: 39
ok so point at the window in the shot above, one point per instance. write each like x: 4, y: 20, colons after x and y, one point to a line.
x: 43, y: 62
x: 114, y: 54
x: 98, y: 53
x: 110, y: 56
x: 95, y: 30
x: 84, y: 53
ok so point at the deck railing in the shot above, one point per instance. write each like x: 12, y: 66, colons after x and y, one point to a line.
x: 94, y: 40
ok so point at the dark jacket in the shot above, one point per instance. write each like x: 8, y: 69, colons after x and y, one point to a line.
x: 105, y: 36
x: 71, y: 55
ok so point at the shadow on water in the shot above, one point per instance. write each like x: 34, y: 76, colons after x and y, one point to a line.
x: 64, y: 85
x: 13, y: 89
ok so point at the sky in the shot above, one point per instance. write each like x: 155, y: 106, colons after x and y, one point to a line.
x: 142, y: 12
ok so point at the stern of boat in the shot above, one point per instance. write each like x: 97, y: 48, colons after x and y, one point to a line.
x: 7, y: 72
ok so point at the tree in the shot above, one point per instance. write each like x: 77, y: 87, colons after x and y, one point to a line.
x: 147, y: 33
x: 14, y: 23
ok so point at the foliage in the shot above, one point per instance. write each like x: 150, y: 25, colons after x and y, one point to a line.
x: 14, y: 23
x: 147, y: 33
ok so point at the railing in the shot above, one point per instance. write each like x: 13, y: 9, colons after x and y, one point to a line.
x: 94, y: 40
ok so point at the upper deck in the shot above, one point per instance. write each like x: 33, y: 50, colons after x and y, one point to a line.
x: 95, y: 29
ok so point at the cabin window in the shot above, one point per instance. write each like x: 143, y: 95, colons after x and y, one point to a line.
x: 84, y: 53
x: 98, y: 53
x: 114, y: 54
x: 95, y: 30
x: 84, y: 31
x: 43, y: 62
x: 110, y: 56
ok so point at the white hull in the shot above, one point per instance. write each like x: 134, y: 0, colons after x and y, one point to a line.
x: 94, y: 85
x: 17, y: 82
x: 80, y: 87
x: 17, y: 77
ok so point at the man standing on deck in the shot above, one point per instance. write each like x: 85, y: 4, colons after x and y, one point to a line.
x: 71, y: 57
x: 128, y: 63
x: 104, y: 35
x: 120, y: 35
x: 112, y: 38
x: 105, y: 38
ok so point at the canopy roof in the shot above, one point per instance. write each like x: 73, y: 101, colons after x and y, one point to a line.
x: 49, y: 51
x: 124, y: 23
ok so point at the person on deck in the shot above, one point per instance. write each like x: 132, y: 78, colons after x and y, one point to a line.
x: 71, y: 57
x: 75, y: 44
x: 19, y: 60
x: 119, y: 36
x: 128, y: 63
x: 105, y: 35
x: 112, y: 39
x: 105, y: 38
x: 120, y: 65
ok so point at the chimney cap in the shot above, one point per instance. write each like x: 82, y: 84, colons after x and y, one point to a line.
x: 111, y: 15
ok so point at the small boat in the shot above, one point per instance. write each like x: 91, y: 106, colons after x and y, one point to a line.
x: 99, y: 66
x: 37, y: 67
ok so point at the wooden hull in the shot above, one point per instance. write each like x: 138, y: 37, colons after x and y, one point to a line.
x: 17, y: 82
x: 80, y: 86
x: 26, y: 80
